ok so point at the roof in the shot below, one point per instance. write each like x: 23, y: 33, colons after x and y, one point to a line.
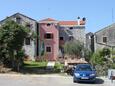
x: 71, y: 22
x: 89, y: 34
x: 109, y: 26
x: 17, y: 14
x: 25, y: 16
x: 68, y: 23
x: 62, y: 22
x: 48, y: 19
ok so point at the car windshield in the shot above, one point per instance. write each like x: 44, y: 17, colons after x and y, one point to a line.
x: 84, y: 68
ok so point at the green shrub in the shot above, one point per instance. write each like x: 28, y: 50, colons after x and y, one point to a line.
x: 102, y: 62
x: 58, y: 66
x: 113, y: 66
x: 113, y: 58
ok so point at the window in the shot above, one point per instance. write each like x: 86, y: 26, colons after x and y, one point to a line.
x: 105, y: 39
x: 28, y: 25
x: 71, y: 28
x: 61, y: 38
x: 71, y: 38
x: 48, y: 49
x: 83, y: 68
x: 49, y: 36
x: 18, y: 20
x: 27, y: 41
x: 48, y: 24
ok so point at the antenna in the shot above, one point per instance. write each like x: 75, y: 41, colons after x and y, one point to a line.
x: 112, y: 15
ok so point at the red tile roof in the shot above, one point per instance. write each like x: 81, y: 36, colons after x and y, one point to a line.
x: 71, y: 22
x: 63, y: 22
x: 68, y: 23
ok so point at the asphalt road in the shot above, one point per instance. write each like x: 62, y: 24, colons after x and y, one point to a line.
x: 47, y: 80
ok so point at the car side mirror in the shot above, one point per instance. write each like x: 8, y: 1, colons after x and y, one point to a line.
x: 94, y: 69
x: 74, y: 67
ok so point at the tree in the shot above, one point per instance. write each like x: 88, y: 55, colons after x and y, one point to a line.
x: 19, y: 58
x: 87, y: 54
x: 105, y: 52
x: 101, y: 61
x: 96, y: 58
x: 75, y: 49
x: 12, y: 37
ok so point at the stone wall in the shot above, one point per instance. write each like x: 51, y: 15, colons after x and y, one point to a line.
x: 77, y: 32
x: 30, y: 50
x: 109, y: 33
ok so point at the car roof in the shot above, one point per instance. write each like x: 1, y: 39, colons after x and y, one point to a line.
x: 83, y: 64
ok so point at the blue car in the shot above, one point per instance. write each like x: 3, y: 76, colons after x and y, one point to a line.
x: 84, y: 72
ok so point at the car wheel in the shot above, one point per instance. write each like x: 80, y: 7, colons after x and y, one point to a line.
x: 74, y: 81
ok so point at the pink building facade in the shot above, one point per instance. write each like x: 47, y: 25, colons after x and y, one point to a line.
x: 53, y: 35
x: 49, y: 42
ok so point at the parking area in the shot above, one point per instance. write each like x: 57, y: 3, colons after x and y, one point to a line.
x: 48, y: 80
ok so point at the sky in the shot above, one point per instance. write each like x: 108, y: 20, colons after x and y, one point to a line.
x: 98, y: 13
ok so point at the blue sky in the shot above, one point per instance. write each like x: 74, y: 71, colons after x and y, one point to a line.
x: 97, y: 12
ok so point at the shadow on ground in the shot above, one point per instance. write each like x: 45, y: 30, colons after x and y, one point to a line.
x: 98, y: 81
x: 38, y: 70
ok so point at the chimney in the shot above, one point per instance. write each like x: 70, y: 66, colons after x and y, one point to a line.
x: 84, y: 19
x: 78, y: 20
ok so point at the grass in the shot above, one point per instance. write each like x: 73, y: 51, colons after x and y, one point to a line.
x: 32, y: 64
x: 34, y: 67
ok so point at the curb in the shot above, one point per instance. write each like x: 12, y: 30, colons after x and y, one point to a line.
x: 34, y: 75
